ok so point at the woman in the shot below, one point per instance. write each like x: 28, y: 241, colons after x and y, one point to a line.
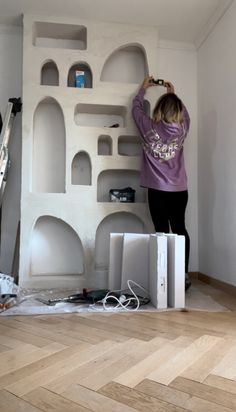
x: 163, y: 169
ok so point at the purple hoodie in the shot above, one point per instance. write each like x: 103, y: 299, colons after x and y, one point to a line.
x: 162, y: 155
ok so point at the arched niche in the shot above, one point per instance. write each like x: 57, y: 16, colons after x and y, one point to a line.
x: 104, y: 145
x: 119, y: 179
x: 49, y: 74
x: 81, y: 169
x: 87, y: 72
x: 56, y: 249
x: 128, y: 64
x: 121, y: 222
x: 48, y: 160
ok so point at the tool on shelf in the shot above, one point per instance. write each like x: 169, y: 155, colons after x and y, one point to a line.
x: 126, y: 195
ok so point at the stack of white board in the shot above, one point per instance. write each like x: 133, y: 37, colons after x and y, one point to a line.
x: 155, y: 262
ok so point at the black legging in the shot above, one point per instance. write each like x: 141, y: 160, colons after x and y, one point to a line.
x: 168, y: 211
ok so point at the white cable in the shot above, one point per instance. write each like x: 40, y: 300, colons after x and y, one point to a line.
x: 122, y: 304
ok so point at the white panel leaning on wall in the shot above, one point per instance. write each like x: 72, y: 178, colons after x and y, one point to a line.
x: 155, y: 262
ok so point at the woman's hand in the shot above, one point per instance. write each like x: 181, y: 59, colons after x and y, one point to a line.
x: 148, y: 82
x: 169, y: 87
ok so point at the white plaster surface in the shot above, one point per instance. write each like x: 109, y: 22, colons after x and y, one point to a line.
x: 78, y: 206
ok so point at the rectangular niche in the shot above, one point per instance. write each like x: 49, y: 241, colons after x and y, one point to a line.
x: 95, y: 115
x: 119, y: 179
x: 129, y: 146
x: 60, y: 36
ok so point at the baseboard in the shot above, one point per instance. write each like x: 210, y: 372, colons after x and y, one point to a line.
x: 193, y: 275
x: 218, y: 284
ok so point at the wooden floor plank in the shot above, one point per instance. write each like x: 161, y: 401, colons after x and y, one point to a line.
x: 227, y: 366
x: 104, y: 357
x: 175, y: 365
x: 48, y: 401
x: 29, y: 328
x: 151, y: 363
x: 109, y: 325
x: 226, y: 385
x: 163, y: 324
x: 208, y: 323
x: 123, y: 365
x: 3, y: 348
x: 200, y: 369
x: 12, y: 377
x: 50, y: 373
x: 96, y: 402
x: 205, y: 392
x: 89, y: 330
x: 74, y: 329
x: 26, y: 337
x: 129, y: 321
x: 13, y: 343
x: 179, y: 398
x: 11, y: 403
x: 24, y: 355
x: 136, y: 399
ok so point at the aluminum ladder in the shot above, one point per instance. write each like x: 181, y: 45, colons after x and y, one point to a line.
x: 13, y: 107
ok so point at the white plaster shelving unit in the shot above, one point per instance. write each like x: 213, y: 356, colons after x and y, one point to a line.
x: 71, y: 155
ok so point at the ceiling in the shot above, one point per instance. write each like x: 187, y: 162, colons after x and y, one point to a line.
x: 178, y: 20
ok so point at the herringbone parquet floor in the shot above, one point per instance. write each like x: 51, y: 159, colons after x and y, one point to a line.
x: 165, y: 361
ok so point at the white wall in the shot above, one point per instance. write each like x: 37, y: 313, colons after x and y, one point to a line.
x: 217, y: 151
x: 178, y: 63
x: 11, y: 86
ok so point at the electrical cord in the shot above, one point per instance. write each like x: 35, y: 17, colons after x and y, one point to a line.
x: 123, y: 302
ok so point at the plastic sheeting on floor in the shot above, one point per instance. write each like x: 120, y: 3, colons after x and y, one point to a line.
x: 28, y: 304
